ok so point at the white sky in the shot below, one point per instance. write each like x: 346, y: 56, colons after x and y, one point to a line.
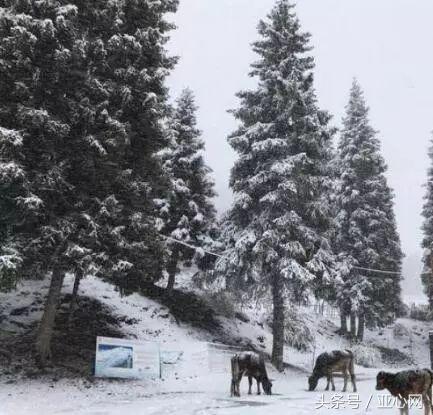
x: 386, y: 44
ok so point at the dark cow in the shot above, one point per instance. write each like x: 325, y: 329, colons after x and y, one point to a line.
x: 408, y: 382
x: 251, y: 365
x: 328, y: 363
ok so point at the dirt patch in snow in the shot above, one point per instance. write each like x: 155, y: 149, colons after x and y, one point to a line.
x: 394, y: 357
x: 73, y: 344
x: 185, y: 307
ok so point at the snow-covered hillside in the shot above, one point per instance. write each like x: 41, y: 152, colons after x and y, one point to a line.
x: 196, y: 379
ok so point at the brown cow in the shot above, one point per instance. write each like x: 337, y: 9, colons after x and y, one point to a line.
x: 406, y: 383
x: 251, y: 365
x: 328, y: 363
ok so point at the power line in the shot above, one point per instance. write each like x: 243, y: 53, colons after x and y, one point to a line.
x: 196, y: 248
x: 377, y: 270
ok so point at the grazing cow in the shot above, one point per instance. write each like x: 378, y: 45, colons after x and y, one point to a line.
x: 408, y: 382
x: 328, y: 363
x: 251, y: 365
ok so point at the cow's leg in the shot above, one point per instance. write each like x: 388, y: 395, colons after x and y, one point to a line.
x: 332, y: 381
x: 353, y: 380
x: 238, y: 383
x: 328, y: 381
x: 404, y: 407
x: 428, y: 409
x: 352, y: 374
x: 250, y: 384
x: 238, y: 387
x: 258, y: 387
x: 429, y: 396
x: 346, y: 378
x: 234, y: 388
x: 426, y: 403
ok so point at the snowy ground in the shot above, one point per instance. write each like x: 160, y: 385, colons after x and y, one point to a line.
x: 198, y: 383
x: 207, y: 395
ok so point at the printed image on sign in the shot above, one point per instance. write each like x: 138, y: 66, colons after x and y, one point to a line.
x: 131, y: 359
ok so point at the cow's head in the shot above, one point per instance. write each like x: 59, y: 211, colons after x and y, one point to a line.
x: 313, y: 380
x: 381, y: 380
x: 267, y: 386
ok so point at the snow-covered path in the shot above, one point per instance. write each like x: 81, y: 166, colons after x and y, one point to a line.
x: 193, y: 396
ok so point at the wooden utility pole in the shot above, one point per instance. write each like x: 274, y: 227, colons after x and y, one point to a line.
x: 430, y: 297
x: 430, y: 300
x: 430, y: 336
x: 353, y: 325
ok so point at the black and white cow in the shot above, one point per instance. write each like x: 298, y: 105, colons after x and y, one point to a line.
x: 406, y: 383
x: 251, y: 365
x: 328, y: 363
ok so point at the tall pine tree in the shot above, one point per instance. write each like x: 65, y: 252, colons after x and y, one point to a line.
x: 83, y: 96
x: 36, y: 47
x: 14, y: 187
x: 136, y: 66
x: 367, y: 231
x: 280, y: 215
x: 427, y: 227
x: 188, y: 214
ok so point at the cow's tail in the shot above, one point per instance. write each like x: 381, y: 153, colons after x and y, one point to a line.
x: 262, y: 361
x: 352, y: 360
x: 235, y: 374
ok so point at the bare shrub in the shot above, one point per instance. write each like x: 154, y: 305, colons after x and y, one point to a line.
x: 420, y: 312
x: 222, y: 302
x: 367, y: 356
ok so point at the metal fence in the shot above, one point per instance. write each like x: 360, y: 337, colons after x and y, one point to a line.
x: 219, y: 356
x: 323, y: 309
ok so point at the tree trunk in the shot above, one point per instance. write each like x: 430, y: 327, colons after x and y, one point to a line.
x: 430, y: 291
x: 361, y: 326
x: 430, y: 336
x: 74, y: 297
x: 172, y: 269
x: 343, y: 321
x: 353, y: 325
x: 430, y: 295
x: 45, y: 331
x: 278, y: 323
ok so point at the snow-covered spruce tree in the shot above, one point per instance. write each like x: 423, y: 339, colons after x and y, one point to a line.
x: 13, y: 188
x: 427, y: 227
x: 367, y: 232
x: 35, y: 52
x: 189, y: 214
x: 137, y: 65
x: 85, y: 154
x: 280, y: 215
